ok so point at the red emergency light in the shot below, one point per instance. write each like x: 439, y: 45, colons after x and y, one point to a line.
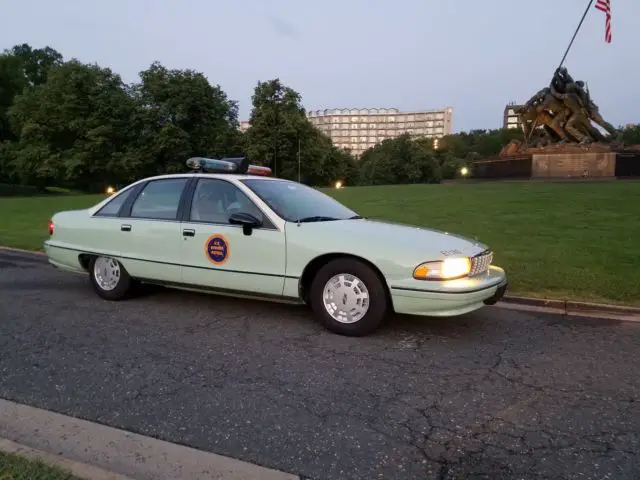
x: 258, y: 170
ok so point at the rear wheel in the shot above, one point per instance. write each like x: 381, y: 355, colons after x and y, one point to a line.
x: 348, y: 297
x: 109, y: 278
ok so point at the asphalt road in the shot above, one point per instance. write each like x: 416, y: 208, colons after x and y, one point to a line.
x: 495, y: 394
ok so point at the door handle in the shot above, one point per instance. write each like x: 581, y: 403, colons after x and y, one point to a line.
x: 125, y: 228
x: 188, y: 232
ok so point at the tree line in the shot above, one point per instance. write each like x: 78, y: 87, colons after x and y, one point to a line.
x: 75, y: 125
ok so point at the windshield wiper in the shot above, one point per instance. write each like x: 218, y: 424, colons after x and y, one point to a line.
x: 355, y: 217
x: 317, y: 218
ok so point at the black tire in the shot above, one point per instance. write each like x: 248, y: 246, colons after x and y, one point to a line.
x: 123, y: 288
x: 378, y: 299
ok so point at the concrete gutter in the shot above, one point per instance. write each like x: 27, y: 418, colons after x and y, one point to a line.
x: 571, y: 308
x: 97, y: 452
x: 22, y: 250
x: 540, y: 305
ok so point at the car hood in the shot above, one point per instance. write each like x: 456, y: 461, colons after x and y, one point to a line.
x: 399, y: 236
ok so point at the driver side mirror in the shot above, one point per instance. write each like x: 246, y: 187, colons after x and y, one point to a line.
x: 248, y: 222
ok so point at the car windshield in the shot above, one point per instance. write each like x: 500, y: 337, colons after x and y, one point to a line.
x: 296, y: 202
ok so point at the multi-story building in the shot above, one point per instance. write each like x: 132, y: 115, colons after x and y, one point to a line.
x: 357, y: 129
x: 511, y: 119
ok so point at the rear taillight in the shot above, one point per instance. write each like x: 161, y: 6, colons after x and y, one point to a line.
x: 50, y: 227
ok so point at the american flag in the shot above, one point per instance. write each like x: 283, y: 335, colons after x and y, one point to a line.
x: 605, y: 6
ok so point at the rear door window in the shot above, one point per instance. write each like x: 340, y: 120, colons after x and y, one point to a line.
x: 159, y: 199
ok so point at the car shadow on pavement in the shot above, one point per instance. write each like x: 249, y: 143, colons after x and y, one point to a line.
x: 301, y: 315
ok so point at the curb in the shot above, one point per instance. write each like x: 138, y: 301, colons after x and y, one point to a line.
x: 571, y: 308
x: 22, y: 250
x: 78, y: 469
x: 98, y: 450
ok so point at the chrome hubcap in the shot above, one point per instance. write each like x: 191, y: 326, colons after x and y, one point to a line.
x: 346, y: 298
x: 106, y: 271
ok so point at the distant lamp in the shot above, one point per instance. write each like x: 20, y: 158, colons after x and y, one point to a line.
x: 110, y: 190
x: 338, y: 184
x: 464, y: 171
x: 436, y: 144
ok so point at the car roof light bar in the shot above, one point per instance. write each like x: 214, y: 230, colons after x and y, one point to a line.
x: 237, y: 165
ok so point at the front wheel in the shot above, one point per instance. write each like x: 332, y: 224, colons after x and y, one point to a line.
x: 109, y: 278
x: 349, y: 298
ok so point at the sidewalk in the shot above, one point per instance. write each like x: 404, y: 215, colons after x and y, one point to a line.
x: 93, y: 451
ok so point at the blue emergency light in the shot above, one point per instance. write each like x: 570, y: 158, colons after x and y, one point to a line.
x: 238, y: 165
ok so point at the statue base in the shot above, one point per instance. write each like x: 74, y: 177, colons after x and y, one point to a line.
x: 573, y: 164
x: 569, y: 161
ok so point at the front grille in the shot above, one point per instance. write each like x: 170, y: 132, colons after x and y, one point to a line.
x: 480, y: 263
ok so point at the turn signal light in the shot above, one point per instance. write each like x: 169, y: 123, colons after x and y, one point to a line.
x: 50, y: 227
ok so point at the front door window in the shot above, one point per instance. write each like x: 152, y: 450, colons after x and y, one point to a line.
x: 214, y: 201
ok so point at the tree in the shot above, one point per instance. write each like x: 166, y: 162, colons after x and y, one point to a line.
x: 12, y: 82
x: 398, y: 161
x: 73, y: 129
x: 179, y: 115
x: 483, y: 143
x: 21, y: 67
x: 277, y: 127
x: 281, y: 136
x: 630, y: 135
x: 35, y: 63
x: 406, y: 160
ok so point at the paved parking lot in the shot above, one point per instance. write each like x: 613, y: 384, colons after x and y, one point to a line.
x: 495, y: 394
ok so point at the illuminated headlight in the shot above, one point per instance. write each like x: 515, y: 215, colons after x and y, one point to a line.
x: 446, y: 269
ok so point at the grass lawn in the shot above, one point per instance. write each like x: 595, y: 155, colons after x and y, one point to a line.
x: 577, y: 241
x: 23, y: 220
x: 13, y: 467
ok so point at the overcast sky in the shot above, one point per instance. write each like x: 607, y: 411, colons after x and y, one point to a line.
x: 472, y: 55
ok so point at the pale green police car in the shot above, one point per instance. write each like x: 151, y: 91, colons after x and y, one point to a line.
x: 230, y: 228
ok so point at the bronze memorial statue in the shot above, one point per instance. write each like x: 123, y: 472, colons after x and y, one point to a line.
x: 565, y: 111
x: 565, y: 135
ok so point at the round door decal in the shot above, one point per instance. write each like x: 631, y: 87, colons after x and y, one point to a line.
x: 217, y: 249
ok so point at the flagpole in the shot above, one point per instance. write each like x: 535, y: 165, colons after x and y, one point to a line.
x: 298, y: 159
x: 575, y: 33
